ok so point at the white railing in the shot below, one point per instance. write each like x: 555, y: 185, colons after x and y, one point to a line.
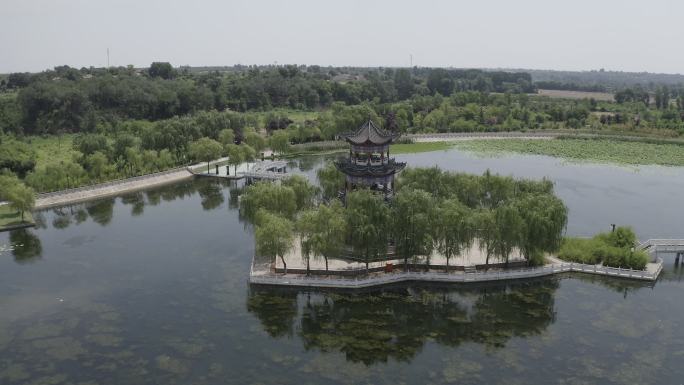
x: 387, y: 278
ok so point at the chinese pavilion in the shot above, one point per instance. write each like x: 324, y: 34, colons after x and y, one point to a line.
x: 369, y: 164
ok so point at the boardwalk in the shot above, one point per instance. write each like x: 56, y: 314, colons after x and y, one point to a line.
x: 266, y: 169
x: 380, y: 279
x: 262, y: 274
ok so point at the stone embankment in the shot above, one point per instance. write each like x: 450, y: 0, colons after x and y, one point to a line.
x: 261, y: 275
x: 116, y: 187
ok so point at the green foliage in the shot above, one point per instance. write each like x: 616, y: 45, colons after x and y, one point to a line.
x: 254, y: 140
x: 270, y: 197
x: 235, y: 154
x: 57, y: 177
x: 273, y: 235
x: 88, y: 144
x: 507, y: 214
x: 205, y: 150
x: 280, y: 142
x: 454, y: 228
x: 331, y: 180
x: 614, y: 249
x: 323, y: 231
x: 162, y: 70
x: 226, y: 136
x: 368, y: 219
x: 412, y: 213
x: 21, y: 197
x: 304, y: 191
x: 16, y: 156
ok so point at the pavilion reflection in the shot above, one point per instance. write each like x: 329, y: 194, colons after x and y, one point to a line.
x: 395, y: 323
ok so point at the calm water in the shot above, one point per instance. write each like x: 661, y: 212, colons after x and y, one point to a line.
x: 150, y: 288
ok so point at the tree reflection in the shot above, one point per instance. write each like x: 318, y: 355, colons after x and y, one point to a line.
x: 275, y: 310
x: 101, y: 211
x: 396, y: 323
x: 137, y: 200
x: 26, y: 246
x: 211, y: 194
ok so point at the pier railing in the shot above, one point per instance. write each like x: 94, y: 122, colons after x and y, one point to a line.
x: 480, y: 276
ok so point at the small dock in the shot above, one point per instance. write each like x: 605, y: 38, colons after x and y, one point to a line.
x: 260, y: 170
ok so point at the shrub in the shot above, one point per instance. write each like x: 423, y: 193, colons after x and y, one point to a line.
x: 613, y: 249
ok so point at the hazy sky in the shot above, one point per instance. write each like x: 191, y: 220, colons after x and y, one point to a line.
x: 624, y: 35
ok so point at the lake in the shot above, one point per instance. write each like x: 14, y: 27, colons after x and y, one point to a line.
x: 151, y: 288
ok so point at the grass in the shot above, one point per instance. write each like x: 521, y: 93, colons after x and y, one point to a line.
x: 564, y: 94
x: 10, y: 217
x: 410, y: 148
x: 52, y: 149
x: 594, y: 150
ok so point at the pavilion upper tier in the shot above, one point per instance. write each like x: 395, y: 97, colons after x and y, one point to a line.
x: 369, y: 138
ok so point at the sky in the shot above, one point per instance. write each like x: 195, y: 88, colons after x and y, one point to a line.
x: 625, y: 35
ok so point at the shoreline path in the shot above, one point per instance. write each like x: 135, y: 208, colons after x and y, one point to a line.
x: 112, y: 188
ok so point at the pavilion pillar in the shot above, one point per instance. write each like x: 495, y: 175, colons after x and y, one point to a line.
x: 369, y: 158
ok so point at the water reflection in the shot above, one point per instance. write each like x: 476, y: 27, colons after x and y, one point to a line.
x: 396, y: 323
x: 137, y: 202
x: 26, y: 246
x: 101, y: 211
x: 211, y: 194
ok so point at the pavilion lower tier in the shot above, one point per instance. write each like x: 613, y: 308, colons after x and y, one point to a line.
x: 384, y: 181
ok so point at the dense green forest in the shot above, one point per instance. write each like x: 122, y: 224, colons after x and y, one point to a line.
x: 67, y: 127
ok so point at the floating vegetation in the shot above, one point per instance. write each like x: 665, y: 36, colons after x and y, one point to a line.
x: 592, y: 150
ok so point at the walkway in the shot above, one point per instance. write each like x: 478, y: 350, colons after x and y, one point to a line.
x: 265, y: 169
x: 379, y: 279
x: 116, y: 187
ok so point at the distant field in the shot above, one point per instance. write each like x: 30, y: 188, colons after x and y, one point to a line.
x: 605, y: 96
x: 404, y: 148
x: 589, y: 150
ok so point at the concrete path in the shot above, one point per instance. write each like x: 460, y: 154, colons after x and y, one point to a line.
x: 262, y: 274
x: 117, y: 187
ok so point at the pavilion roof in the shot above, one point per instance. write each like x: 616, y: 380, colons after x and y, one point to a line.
x: 370, y: 134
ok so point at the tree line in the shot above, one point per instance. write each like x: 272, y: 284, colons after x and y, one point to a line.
x: 71, y: 100
x: 432, y: 210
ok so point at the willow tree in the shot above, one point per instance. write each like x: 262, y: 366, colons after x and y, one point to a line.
x: 331, y: 180
x: 544, y: 219
x: 323, y: 231
x: 412, y: 215
x: 455, y: 228
x: 368, y: 218
x: 276, y: 199
x: 235, y: 154
x: 486, y: 233
x: 304, y: 191
x: 274, y: 236
x: 508, y: 230
x: 205, y: 149
x: 21, y: 197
